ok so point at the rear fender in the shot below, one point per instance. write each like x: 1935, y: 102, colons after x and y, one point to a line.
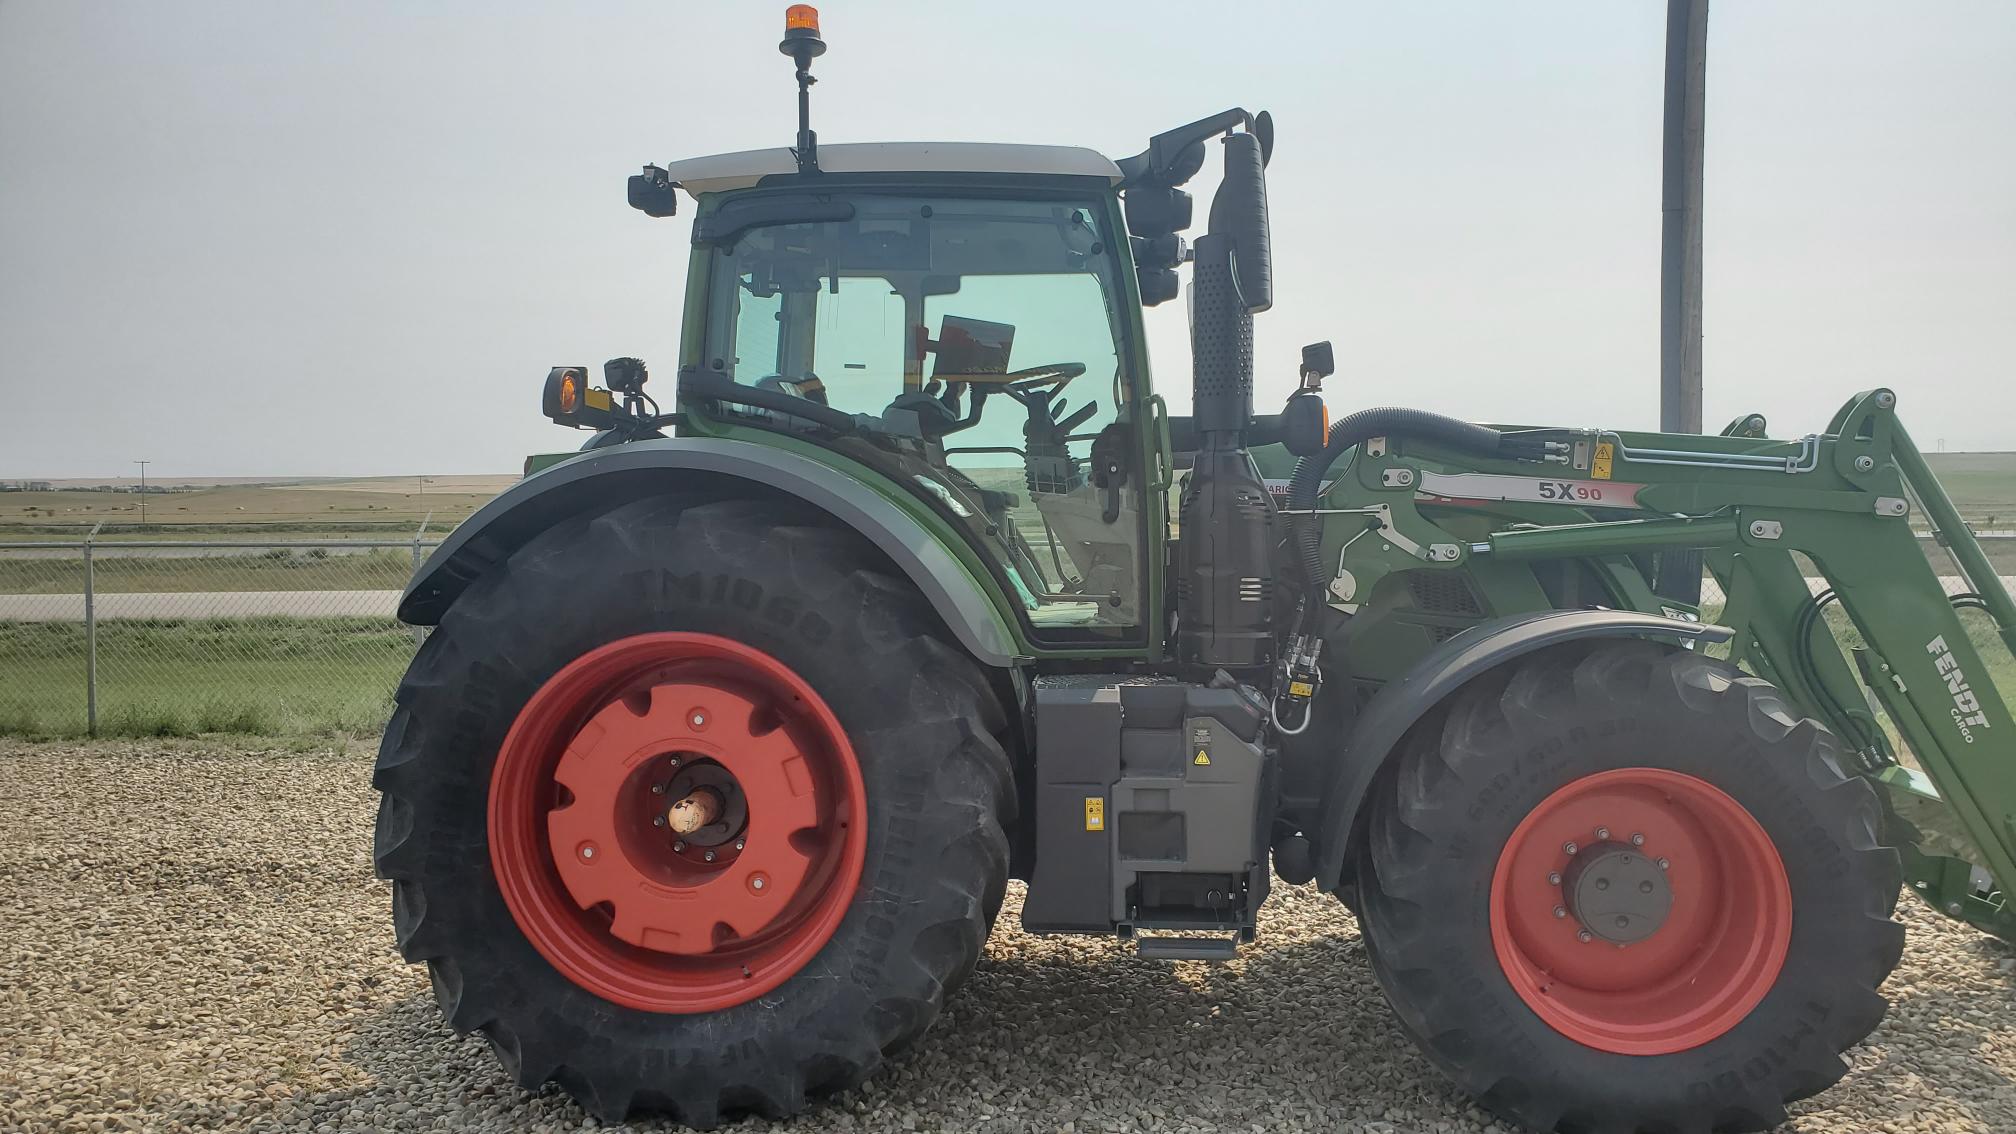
x: 1402, y: 703
x: 601, y: 479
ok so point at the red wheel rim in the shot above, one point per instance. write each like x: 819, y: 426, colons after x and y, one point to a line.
x: 1700, y: 968
x: 616, y: 901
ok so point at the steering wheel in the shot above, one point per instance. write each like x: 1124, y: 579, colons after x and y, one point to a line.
x: 1019, y: 384
x: 1034, y: 388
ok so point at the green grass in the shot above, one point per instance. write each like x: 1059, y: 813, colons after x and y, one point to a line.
x: 279, y: 569
x: 1982, y: 485
x: 269, y: 677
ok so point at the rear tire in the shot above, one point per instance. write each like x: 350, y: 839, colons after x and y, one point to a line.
x: 919, y: 722
x: 1771, y: 957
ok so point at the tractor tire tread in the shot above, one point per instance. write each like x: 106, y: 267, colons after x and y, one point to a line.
x: 944, y: 740
x: 1541, y: 1079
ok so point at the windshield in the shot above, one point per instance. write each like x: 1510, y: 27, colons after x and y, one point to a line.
x: 982, y: 335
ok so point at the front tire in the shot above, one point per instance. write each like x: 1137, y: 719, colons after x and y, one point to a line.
x: 1621, y: 888
x: 852, y: 757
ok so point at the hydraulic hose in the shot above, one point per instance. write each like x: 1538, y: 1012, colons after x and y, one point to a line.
x: 1360, y: 427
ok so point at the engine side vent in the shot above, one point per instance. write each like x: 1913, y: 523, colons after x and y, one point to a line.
x: 1443, y: 592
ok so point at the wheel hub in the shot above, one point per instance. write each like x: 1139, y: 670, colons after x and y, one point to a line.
x: 1617, y: 892
x: 662, y: 892
x: 676, y: 822
x: 1640, y: 911
x: 709, y: 807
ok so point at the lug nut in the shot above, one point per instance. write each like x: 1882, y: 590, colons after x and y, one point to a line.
x: 587, y: 852
x: 1560, y: 911
x: 1637, y: 840
x: 672, y: 760
x: 1665, y: 863
x: 709, y: 856
x: 1569, y: 848
x: 1602, y: 834
x: 738, y: 844
x: 757, y: 882
x: 679, y: 844
x: 1553, y: 879
x: 657, y: 789
x: 698, y: 719
x: 1584, y: 936
x: 657, y: 820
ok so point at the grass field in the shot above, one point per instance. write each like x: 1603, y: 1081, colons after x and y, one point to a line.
x: 279, y: 569
x: 270, y: 677
x: 1982, y: 485
x: 390, y: 504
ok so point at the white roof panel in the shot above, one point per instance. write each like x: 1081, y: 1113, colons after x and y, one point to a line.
x: 717, y: 172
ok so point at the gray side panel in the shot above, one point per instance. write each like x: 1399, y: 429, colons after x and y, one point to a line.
x: 1397, y: 707
x: 604, y: 478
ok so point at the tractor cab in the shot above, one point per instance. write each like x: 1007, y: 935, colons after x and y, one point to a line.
x: 962, y: 321
x: 955, y: 316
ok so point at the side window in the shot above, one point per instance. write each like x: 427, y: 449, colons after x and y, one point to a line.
x: 1013, y: 303
x: 1073, y: 545
x: 857, y: 351
x: 756, y: 332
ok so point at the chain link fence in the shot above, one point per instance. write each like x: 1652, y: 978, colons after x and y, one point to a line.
x: 162, y: 638
x: 124, y: 637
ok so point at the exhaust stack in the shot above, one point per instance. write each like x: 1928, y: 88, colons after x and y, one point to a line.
x: 1225, y: 580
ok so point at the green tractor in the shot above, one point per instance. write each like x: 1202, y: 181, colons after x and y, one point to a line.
x: 705, y: 790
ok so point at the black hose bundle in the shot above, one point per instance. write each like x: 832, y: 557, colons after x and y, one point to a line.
x: 1364, y: 425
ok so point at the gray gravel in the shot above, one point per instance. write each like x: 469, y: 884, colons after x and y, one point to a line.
x: 194, y: 941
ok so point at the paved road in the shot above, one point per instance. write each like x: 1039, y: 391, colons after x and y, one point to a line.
x: 202, y: 604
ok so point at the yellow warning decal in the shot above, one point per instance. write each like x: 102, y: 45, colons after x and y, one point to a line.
x: 1599, y: 467
x: 1301, y: 689
x: 1095, y: 813
x: 1203, y: 759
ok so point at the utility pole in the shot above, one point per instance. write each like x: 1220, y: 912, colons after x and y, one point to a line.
x: 143, y: 491
x: 1677, y: 573
x: 1680, y: 212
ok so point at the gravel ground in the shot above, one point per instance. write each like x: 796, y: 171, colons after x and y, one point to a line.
x: 194, y: 941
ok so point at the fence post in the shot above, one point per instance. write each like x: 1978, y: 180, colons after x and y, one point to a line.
x: 420, y: 632
x: 90, y: 637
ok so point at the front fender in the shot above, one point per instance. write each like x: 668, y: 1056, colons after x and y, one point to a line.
x: 604, y: 478
x: 1401, y: 704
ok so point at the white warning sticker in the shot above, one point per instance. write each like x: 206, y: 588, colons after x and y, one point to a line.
x: 1528, y: 489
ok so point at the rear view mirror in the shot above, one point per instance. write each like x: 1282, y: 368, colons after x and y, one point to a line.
x: 654, y: 193
x: 1243, y: 194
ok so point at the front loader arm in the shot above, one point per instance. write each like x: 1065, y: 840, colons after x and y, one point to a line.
x: 1768, y: 516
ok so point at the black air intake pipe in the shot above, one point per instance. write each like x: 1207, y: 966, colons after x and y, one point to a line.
x: 1364, y: 425
x: 1225, y: 559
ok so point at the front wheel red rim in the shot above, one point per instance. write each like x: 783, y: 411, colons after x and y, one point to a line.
x: 647, y: 914
x: 1699, y: 942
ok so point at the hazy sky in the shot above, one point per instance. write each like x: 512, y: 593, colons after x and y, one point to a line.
x: 278, y: 238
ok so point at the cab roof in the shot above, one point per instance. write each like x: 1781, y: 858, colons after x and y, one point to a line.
x: 717, y: 172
